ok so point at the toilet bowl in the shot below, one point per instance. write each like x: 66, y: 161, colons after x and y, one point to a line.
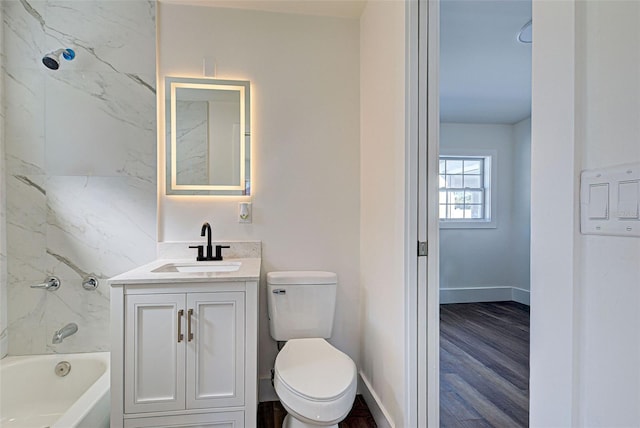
x: 316, y: 383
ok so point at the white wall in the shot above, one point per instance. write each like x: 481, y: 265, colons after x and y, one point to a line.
x: 80, y: 163
x: 608, y: 123
x: 489, y: 258
x: 585, y: 344
x: 382, y: 199
x: 305, y: 136
x: 553, y: 215
x: 521, y: 203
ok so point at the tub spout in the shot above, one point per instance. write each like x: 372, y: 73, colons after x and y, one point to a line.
x: 65, y: 331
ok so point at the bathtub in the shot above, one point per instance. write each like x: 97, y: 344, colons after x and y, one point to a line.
x: 33, y: 396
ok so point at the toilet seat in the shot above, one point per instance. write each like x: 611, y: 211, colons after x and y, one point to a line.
x: 315, y: 380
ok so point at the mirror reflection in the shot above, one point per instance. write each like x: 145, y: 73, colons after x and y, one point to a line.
x: 208, y: 137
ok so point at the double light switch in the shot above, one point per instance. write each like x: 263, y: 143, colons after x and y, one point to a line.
x: 610, y: 201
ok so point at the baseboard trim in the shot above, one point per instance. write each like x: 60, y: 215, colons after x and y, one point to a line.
x: 521, y: 295
x: 484, y: 294
x: 379, y: 413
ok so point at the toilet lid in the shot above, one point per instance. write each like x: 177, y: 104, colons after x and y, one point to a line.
x: 314, y: 369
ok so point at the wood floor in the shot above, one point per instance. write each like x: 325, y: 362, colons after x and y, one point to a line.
x: 484, y: 370
x: 271, y: 414
x: 484, y: 365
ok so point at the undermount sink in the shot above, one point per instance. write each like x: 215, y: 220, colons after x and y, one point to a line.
x: 197, y: 267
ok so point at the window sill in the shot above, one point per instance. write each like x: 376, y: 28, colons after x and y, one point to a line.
x: 480, y: 224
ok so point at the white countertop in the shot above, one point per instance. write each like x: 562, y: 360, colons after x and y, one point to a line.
x: 249, y: 271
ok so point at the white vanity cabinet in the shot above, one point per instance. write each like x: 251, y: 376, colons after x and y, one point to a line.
x: 184, y: 353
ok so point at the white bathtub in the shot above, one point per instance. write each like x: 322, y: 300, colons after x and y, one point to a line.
x: 33, y: 396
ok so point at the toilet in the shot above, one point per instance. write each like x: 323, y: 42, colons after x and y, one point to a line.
x: 316, y: 383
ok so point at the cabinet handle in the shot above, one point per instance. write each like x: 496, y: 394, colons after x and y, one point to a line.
x: 189, y: 333
x: 180, y: 335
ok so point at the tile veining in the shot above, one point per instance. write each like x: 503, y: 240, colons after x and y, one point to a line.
x: 80, y: 161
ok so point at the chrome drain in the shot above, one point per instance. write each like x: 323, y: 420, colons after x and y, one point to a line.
x: 62, y: 368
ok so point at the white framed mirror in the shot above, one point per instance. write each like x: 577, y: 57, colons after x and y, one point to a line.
x: 208, y: 137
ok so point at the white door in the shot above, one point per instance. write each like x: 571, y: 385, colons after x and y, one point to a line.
x: 215, y: 349
x: 154, y: 353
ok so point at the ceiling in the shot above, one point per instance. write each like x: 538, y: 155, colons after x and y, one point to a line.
x: 485, y: 74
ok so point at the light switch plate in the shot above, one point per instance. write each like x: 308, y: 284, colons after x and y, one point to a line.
x: 610, y: 201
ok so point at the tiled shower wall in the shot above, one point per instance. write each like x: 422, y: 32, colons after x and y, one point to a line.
x: 3, y: 219
x: 80, y: 162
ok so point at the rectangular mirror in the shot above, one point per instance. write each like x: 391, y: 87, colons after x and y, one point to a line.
x: 208, y: 136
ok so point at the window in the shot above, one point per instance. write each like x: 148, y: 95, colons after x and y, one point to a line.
x: 465, y: 191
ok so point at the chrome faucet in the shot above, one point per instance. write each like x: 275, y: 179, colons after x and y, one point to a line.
x: 65, y: 331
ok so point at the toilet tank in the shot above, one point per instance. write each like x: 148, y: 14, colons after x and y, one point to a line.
x: 301, y: 304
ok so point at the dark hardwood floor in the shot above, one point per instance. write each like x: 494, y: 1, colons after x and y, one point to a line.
x: 271, y: 414
x: 484, y: 365
x: 484, y: 370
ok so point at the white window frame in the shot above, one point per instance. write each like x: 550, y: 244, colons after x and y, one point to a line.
x: 490, y: 189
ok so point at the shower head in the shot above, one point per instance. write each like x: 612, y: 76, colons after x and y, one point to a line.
x: 52, y: 59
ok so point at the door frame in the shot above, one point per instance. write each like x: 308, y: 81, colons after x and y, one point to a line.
x: 554, y: 387
x: 423, y: 127
x: 431, y: 146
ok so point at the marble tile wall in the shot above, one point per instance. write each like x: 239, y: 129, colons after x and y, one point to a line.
x: 80, y: 167
x: 3, y: 219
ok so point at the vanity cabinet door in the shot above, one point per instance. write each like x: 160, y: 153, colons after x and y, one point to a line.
x: 154, y: 353
x: 216, y: 351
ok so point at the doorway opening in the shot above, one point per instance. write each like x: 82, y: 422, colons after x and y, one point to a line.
x: 484, y: 211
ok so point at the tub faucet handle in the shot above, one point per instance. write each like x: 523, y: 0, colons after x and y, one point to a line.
x: 90, y: 282
x: 51, y: 283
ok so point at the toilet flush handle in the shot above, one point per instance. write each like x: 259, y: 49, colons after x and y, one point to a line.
x: 279, y: 291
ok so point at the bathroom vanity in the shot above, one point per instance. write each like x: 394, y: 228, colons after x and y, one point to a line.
x: 184, y: 344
